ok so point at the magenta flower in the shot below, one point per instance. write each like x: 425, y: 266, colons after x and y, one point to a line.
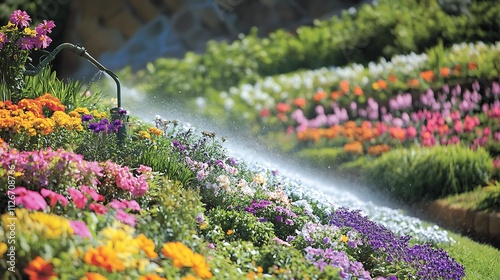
x: 124, y: 217
x: 78, y: 198
x: 29, y: 199
x: 54, y: 197
x: 42, y: 41
x: 26, y: 43
x: 98, y: 208
x: 117, y: 204
x: 92, y: 193
x: 80, y: 228
x: 20, y: 18
x: 45, y: 27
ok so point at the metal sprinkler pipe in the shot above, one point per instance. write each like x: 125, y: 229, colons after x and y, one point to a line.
x: 117, y: 112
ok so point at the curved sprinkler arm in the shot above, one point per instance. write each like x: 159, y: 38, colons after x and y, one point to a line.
x: 116, y: 113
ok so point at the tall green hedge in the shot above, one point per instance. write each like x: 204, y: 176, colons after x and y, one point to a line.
x: 428, y: 173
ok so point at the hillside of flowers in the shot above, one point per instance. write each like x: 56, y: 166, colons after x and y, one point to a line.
x: 170, y: 202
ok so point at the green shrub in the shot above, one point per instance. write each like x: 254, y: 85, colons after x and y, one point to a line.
x: 428, y: 173
x: 172, y: 211
x: 331, y: 158
x: 232, y: 225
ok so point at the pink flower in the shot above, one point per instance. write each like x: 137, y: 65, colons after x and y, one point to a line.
x: 132, y: 205
x: 98, y: 208
x: 80, y: 228
x: 411, y: 132
x: 29, y: 199
x: 117, y: 204
x: 92, y: 192
x: 25, y: 43
x: 21, y: 18
x: 124, y: 217
x: 3, y: 40
x: 54, y: 197
x: 78, y: 198
x: 45, y: 27
x: 42, y: 41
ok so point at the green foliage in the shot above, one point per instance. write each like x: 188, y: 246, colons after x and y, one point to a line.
x: 232, y: 225
x: 287, y: 262
x: 172, y: 211
x: 492, y: 200
x: 428, y: 173
x: 332, y: 158
x: 69, y: 92
x: 383, y: 30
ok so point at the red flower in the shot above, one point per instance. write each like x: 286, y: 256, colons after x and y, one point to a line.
x: 282, y: 107
x: 39, y: 269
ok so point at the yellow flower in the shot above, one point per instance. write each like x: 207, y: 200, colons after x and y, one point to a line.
x: 3, y: 249
x: 81, y: 110
x: 121, y: 241
x: 147, y: 245
x: 144, y: 134
x: 230, y: 231
x: 190, y: 277
x: 344, y: 238
x: 152, y: 277
x: 10, y: 27
x: 30, y: 32
x: 201, y: 267
x: 52, y: 226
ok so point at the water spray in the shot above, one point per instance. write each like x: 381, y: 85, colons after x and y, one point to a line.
x: 117, y: 113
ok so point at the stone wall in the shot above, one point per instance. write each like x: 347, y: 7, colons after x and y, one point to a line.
x: 111, y: 29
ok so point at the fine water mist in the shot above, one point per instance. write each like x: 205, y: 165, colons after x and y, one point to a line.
x: 239, y: 144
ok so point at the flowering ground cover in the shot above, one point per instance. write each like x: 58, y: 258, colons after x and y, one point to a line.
x: 169, y: 202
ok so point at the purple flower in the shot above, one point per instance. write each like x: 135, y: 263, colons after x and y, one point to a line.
x: 122, y: 112
x: 20, y: 18
x: 45, y: 27
x: 25, y: 43
x: 86, y: 118
x: 80, y: 228
x: 279, y: 218
x: 41, y: 41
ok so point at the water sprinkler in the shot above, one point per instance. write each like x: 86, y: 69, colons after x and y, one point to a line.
x: 117, y: 113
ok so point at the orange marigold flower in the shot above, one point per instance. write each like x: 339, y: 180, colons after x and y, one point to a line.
x: 472, y: 66
x: 104, y: 257
x: 457, y: 69
x: 378, y: 149
x: 382, y: 84
x: 190, y: 277
x: 320, y: 95
x: 392, y: 78
x: 93, y: 276
x: 282, y: 107
x: 428, y: 75
x: 152, y: 277
x: 413, y: 83
x: 398, y: 133
x: 179, y: 253
x: 354, y: 147
x: 230, y: 231
x: 344, y: 86
x: 358, y: 91
x: 444, y: 72
x: 40, y: 269
x: 147, y: 245
x: 155, y: 131
x: 300, y: 102
x: 336, y: 94
x: 201, y: 267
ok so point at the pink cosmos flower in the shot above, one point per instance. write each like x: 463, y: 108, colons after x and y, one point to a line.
x: 78, y: 198
x: 54, y: 197
x: 126, y: 218
x: 98, y: 208
x: 41, y: 41
x: 45, y: 27
x: 80, y: 228
x: 25, y: 43
x: 20, y: 18
x: 29, y: 199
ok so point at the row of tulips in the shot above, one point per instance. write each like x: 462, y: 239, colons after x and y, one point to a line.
x: 357, y: 83
x: 451, y: 118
